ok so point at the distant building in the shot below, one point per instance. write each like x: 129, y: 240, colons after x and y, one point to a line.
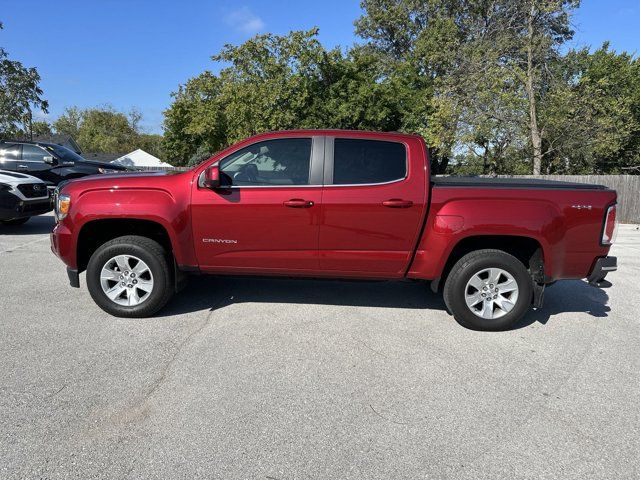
x: 59, y: 139
x: 140, y: 158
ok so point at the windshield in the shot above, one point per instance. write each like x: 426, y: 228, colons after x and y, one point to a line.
x: 63, y: 153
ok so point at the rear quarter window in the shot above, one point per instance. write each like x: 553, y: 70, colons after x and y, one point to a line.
x: 358, y: 162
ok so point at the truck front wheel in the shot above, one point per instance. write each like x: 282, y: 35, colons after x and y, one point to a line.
x: 488, y: 290
x: 130, y: 277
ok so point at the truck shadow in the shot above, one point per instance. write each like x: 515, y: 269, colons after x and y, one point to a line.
x: 35, y: 226
x: 217, y: 292
x: 569, y: 296
x: 212, y: 293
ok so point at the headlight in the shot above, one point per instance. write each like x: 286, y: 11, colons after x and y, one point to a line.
x: 62, y: 205
x: 4, y: 187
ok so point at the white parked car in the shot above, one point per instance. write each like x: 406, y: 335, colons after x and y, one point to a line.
x: 21, y: 197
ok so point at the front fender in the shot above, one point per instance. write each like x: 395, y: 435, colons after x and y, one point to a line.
x: 151, y: 204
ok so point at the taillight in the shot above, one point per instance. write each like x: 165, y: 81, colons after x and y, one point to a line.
x: 610, y: 226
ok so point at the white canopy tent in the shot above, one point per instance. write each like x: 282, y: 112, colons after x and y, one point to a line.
x: 140, y: 158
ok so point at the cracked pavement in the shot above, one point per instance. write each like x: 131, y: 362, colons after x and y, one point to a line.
x: 283, y: 379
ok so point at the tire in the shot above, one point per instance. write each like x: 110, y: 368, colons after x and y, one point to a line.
x: 154, y: 281
x: 15, y: 221
x: 505, y: 306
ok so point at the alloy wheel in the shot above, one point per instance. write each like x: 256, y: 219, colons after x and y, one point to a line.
x: 491, y: 293
x: 126, y: 280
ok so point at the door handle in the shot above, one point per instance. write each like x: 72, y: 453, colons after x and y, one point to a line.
x: 397, y: 203
x: 298, y: 203
x: 23, y: 167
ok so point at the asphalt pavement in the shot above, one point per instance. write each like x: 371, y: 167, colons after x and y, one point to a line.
x: 242, y: 378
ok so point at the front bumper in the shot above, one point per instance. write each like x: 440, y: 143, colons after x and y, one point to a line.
x: 62, y: 244
x: 63, y: 247
x: 12, y: 207
x: 601, y: 268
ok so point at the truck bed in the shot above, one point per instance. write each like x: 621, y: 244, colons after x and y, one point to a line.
x: 495, y: 182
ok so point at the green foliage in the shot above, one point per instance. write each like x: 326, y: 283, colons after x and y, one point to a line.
x: 472, y: 64
x: 201, y: 155
x: 592, y: 114
x: 416, y: 42
x: 41, y: 128
x: 150, y: 143
x: 20, y: 95
x: 484, y: 82
x: 105, y: 130
x: 69, y: 122
x: 276, y: 83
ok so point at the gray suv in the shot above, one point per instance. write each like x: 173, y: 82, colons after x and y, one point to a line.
x: 21, y: 197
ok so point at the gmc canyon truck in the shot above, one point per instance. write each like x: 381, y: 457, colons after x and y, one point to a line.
x: 340, y: 204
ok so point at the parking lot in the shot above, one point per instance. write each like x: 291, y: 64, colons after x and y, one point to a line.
x: 283, y: 379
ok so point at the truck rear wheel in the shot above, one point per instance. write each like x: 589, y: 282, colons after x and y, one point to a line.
x: 130, y: 277
x: 488, y: 290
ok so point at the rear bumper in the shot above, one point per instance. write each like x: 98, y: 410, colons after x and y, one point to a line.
x: 601, y: 268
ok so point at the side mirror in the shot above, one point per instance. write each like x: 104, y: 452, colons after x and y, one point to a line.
x: 48, y: 159
x: 212, y: 177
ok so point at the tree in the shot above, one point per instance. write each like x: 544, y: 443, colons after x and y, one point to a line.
x: 150, y: 143
x: 41, y: 128
x: 592, y: 113
x: 195, y: 120
x: 105, y: 130
x: 416, y: 41
x: 276, y: 82
x: 473, y: 62
x: 534, y: 33
x: 201, y: 155
x: 484, y: 103
x: 69, y: 122
x: 20, y: 95
x: 485, y: 82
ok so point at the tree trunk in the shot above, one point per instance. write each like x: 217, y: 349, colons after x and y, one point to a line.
x: 438, y: 162
x: 536, y: 138
x: 485, y: 158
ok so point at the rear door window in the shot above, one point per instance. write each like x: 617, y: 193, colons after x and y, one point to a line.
x: 358, y: 162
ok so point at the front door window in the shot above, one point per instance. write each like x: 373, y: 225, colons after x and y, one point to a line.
x: 283, y: 162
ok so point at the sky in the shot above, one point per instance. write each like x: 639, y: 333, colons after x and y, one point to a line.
x: 134, y: 53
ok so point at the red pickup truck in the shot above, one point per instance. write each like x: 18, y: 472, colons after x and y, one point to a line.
x: 341, y: 204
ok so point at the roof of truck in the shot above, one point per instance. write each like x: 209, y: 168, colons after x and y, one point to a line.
x: 337, y: 132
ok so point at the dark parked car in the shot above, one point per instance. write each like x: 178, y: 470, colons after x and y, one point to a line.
x: 49, y: 162
x: 21, y: 197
